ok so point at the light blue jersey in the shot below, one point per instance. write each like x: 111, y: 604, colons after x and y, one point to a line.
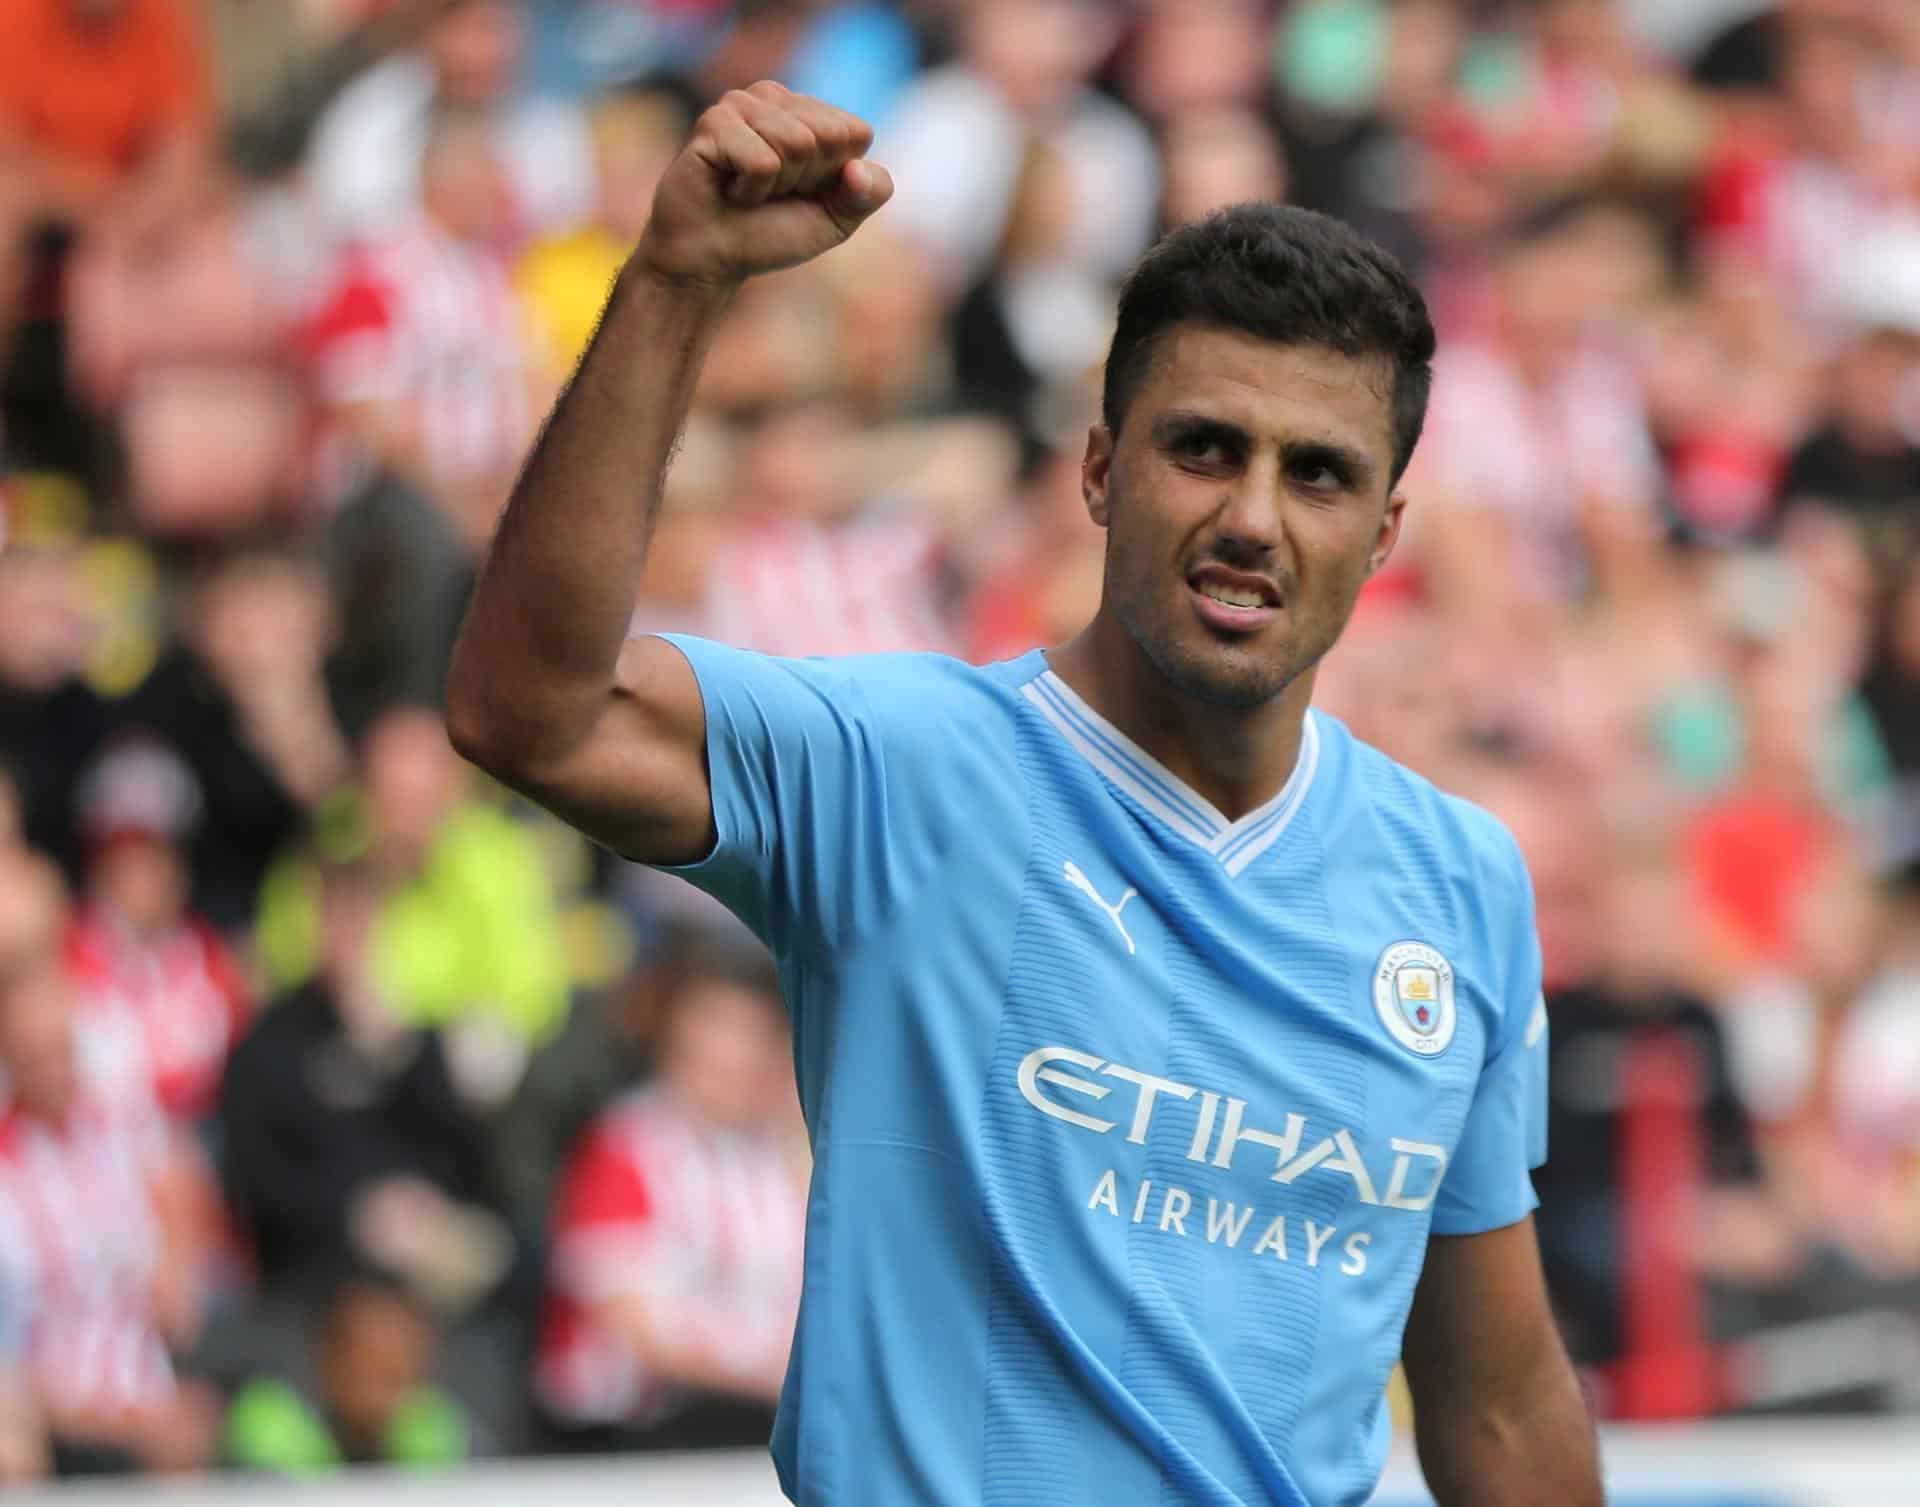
x: 1130, y: 1123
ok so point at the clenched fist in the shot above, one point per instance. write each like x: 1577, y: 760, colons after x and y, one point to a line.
x: 770, y: 178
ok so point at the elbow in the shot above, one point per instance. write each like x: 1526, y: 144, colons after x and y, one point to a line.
x: 472, y: 728
x: 481, y: 730
x: 515, y: 746
x: 471, y: 731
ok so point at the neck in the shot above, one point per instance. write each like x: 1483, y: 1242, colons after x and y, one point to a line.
x: 1237, y: 758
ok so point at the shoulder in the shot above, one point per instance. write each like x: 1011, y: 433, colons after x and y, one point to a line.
x: 917, y: 696
x: 1464, y: 839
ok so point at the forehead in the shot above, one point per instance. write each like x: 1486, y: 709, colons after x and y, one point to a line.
x: 1273, y: 391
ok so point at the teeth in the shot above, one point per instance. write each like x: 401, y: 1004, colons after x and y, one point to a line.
x: 1232, y: 596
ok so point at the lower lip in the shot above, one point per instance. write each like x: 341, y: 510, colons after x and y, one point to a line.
x: 1231, y: 619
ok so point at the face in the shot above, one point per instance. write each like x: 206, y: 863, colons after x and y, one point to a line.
x: 721, y: 1042
x: 1246, y: 499
x: 412, y: 782
x: 475, y: 51
x: 144, y: 880
x: 377, y: 1351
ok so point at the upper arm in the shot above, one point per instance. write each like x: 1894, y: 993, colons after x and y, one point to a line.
x: 764, y: 781
x: 637, y: 781
x: 1498, y: 1415
x: 1481, y: 1327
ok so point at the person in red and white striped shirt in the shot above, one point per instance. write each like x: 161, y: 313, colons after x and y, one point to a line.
x: 134, y: 946
x: 677, y: 1238
x: 421, y: 349
x: 804, y: 567
x: 96, y: 1243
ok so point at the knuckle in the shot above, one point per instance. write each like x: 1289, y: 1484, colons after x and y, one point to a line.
x: 770, y: 90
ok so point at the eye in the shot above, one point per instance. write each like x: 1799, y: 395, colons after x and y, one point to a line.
x: 1318, y: 475
x: 1200, y: 448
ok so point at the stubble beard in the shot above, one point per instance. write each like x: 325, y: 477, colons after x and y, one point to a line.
x: 1215, y: 674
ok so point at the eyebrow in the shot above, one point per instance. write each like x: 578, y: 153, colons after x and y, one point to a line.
x: 1182, y: 423
x: 1345, y: 461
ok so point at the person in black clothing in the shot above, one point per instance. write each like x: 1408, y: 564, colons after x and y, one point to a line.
x: 242, y: 699
x: 347, y: 1142
x: 1862, y: 460
x: 1638, y: 996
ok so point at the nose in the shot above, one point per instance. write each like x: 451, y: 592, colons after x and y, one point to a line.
x: 1251, y: 522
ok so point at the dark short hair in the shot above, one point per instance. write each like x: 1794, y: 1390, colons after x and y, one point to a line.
x: 1283, y: 274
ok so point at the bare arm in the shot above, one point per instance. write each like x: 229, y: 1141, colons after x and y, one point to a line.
x: 1498, y: 1414
x: 547, y: 692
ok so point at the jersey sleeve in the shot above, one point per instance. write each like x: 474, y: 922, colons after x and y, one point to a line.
x: 1487, y: 1184
x: 809, y: 845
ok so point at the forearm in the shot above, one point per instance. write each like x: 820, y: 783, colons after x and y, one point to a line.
x: 536, y: 658
x: 1539, y: 1451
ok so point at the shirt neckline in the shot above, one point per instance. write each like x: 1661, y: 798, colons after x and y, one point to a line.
x: 1162, y: 793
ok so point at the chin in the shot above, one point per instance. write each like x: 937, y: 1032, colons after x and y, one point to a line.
x: 1235, y: 679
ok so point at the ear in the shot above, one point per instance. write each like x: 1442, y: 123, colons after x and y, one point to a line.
x: 1389, y: 534
x: 1095, y: 470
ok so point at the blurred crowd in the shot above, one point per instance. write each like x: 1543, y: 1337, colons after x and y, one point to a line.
x: 350, y: 1111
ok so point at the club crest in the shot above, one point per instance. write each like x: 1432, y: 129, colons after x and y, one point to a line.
x: 1413, y: 996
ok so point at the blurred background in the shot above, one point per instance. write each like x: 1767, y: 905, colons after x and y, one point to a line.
x: 355, y: 1112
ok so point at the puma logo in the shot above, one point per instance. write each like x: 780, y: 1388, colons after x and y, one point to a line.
x: 1080, y: 882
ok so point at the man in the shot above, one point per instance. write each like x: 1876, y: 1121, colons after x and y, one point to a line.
x: 136, y: 947
x: 375, y: 1346
x: 419, y: 350
x: 676, y: 1242
x: 98, y: 1234
x: 105, y: 111
x: 1126, y: 1159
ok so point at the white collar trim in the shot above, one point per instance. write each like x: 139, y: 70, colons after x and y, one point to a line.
x: 1125, y: 764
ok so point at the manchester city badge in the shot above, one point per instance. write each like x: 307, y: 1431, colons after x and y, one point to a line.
x: 1413, y: 996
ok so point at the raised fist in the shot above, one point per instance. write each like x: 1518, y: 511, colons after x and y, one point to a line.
x: 770, y: 178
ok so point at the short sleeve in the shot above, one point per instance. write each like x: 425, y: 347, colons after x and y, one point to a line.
x: 1488, y: 1183
x: 797, y: 766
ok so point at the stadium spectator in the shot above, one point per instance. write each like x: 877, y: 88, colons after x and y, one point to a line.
x: 466, y: 935
x: 806, y: 532
x: 50, y: 724
x: 368, y: 148
x: 563, y: 279
x: 105, y: 112
x: 135, y: 944
x: 675, y: 1270
x: 1022, y: 75
x: 419, y: 353
x: 242, y: 696
x: 374, y: 1350
x: 1639, y: 1006
x: 99, y: 1235
x: 1862, y: 458
x: 606, y: 1048
x: 347, y: 1142
x: 1537, y: 462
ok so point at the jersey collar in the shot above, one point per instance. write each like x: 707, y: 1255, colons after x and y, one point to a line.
x: 1164, y: 794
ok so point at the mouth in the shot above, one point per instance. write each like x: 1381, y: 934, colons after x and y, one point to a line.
x: 1233, y: 601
